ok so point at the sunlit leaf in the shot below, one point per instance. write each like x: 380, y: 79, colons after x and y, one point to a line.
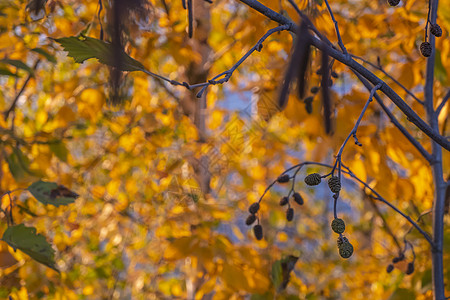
x: 83, y: 48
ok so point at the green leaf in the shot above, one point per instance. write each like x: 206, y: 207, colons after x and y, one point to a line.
x: 277, y: 274
x: 18, y: 164
x: 18, y: 64
x: 52, y: 193
x: 7, y: 72
x: 60, y: 150
x: 82, y: 48
x: 401, y: 294
x: 35, y: 245
x: 48, y: 56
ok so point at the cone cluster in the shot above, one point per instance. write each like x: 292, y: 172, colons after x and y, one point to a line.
x: 335, y: 184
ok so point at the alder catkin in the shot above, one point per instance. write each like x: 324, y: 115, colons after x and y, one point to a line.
x: 338, y: 225
x: 334, y: 184
x: 250, y: 220
x: 253, y: 209
x: 284, y: 201
x: 298, y: 198
x: 290, y: 214
x: 258, y: 231
x: 315, y: 89
x: 313, y: 179
x: 283, y: 178
x: 436, y: 30
x: 425, y: 49
x: 410, y: 268
x: 390, y: 268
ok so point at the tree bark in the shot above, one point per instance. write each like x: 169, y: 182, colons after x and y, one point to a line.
x: 437, y: 170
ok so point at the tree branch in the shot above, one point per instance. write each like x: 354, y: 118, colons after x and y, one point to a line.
x: 390, y: 77
x: 442, y: 104
x: 347, y: 60
x: 396, y: 123
x: 24, y: 86
x: 336, y: 26
x: 376, y: 196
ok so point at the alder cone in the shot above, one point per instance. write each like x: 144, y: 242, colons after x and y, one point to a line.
x: 436, y: 30
x: 258, y: 231
x: 425, y: 49
x: 313, y: 179
x: 346, y: 250
x: 334, y: 184
x: 338, y: 225
x: 341, y: 241
x: 393, y: 2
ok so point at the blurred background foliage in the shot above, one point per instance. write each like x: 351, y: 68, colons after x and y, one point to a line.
x: 142, y: 227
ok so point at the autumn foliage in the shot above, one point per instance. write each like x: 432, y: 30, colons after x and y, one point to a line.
x: 139, y: 163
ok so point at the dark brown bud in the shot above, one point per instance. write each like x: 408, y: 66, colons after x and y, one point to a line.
x: 283, y: 178
x: 315, y: 89
x: 290, y: 214
x: 298, y: 198
x: 250, y: 220
x: 253, y: 209
x: 436, y: 30
x: 334, y: 74
x: 425, y: 49
x: 410, y: 268
x: 284, y: 201
x: 393, y: 2
x: 313, y: 179
x: 258, y: 231
x: 390, y: 268
x: 338, y: 225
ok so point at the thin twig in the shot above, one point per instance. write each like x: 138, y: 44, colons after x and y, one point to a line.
x: 378, y: 67
x: 396, y: 123
x: 227, y: 74
x: 385, y: 224
x: 442, y: 104
x: 341, y: 44
x: 14, y: 103
x: 355, y: 128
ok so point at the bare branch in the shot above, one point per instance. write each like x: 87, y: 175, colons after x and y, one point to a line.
x: 396, y: 123
x: 14, y: 103
x: 442, y: 104
x: 355, y: 128
x: 349, y: 61
x: 341, y: 44
x: 227, y: 74
x: 378, y: 67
